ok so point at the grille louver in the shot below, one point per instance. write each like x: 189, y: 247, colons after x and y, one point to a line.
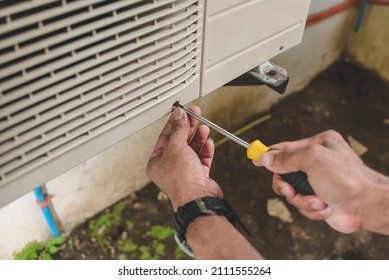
x: 71, y: 70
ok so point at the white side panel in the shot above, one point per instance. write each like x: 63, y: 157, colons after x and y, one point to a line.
x: 215, y: 7
x: 241, y: 37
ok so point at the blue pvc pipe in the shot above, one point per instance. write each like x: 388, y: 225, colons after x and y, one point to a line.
x: 42, y: 198
x: 361, y: 14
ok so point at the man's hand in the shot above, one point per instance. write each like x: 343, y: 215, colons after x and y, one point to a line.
x: 181, y: 168
x: 345, y: 188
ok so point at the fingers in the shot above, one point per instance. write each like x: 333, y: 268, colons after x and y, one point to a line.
x: 287, y: 161
x: 292, y: 145
x: 307, y: 203
x: 281, y: 149
x: 311, y: 206
x: 326, y: 138
x: 180, y: 132
x: 281, y: 187
x: 193, y: 121
x: 200, y: 138
x: 163, y: 137
x: 317, y: 215
x: 204, y: 147
x: 287, y: 153
x: 178, y: 123
x: 206, y: 156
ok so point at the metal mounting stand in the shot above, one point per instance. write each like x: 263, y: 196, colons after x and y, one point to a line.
x: 267, y: 74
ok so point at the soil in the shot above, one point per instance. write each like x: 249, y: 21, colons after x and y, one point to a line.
x: 346, y: 98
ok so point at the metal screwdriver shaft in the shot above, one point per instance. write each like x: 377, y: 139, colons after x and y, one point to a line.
x: 298, y: 179
x: 222, y: 131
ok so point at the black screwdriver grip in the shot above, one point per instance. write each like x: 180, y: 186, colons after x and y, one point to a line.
x: 299, y: 182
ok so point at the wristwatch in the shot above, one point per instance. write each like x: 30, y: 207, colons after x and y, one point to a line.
x: 205, y: 206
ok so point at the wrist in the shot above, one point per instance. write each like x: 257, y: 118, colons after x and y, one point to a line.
x: 197, y: 209
x: 187, y: 192
x: 375, y: 207
x: 213, y: 237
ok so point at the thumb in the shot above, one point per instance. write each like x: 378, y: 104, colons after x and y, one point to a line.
x: 181, y: 127
x: 281, y: 161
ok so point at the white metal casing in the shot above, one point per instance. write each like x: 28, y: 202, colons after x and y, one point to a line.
x: 78, y: 76
x: 241, y: 34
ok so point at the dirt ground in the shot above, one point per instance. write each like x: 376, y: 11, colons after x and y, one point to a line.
x: 345, y: 98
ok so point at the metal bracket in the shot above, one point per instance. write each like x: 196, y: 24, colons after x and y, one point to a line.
x: 270, y: 74
x: 267, y: 74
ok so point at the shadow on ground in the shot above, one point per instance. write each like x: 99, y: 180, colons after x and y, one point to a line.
x: 346, y: 98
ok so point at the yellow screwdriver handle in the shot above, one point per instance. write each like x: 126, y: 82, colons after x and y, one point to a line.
x: 256, y: 149
x: 298, y: 179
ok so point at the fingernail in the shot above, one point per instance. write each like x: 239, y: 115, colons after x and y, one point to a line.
x: 286, y: 190
x: 325, y: 213
x: 178, y: 114
x: 317, y: 205
x: 266, y: 159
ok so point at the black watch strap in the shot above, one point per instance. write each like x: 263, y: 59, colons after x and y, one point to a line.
x: 204, y: 206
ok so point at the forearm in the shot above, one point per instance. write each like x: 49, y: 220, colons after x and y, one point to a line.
x: 213, y: 237
x: 375, y: 213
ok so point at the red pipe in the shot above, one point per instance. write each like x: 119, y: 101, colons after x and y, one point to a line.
x: 319, y: 17
x: 377, y: 2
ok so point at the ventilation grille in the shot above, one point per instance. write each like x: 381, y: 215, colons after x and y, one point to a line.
x: 71, y: 70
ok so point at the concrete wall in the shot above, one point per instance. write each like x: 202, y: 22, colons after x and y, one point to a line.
x: 369, y: 46
x: 120, y: 170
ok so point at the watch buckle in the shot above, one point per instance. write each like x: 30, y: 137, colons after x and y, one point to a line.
x: 203, y: 208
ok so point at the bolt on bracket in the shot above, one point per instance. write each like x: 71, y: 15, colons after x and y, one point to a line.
x: 270, y: 74
x: 266, y: 73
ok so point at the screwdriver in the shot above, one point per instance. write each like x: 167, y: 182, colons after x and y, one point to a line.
x: 298, y: 180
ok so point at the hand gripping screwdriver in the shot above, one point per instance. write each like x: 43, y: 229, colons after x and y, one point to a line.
x: 298, y: 180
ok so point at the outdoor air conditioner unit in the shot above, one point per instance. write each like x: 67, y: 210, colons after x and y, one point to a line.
x: 78, y: 76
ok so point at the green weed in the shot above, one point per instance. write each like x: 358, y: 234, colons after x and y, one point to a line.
x: 157, y: 249
x: 154, y: 251
x: 145, y: 253
x: 102, y: 226
x: 180, y: 255
x: 161, y: 232
x: 40, y: 250
x: 129, y: 246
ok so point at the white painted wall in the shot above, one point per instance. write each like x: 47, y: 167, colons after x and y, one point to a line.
x: 106, y: 178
